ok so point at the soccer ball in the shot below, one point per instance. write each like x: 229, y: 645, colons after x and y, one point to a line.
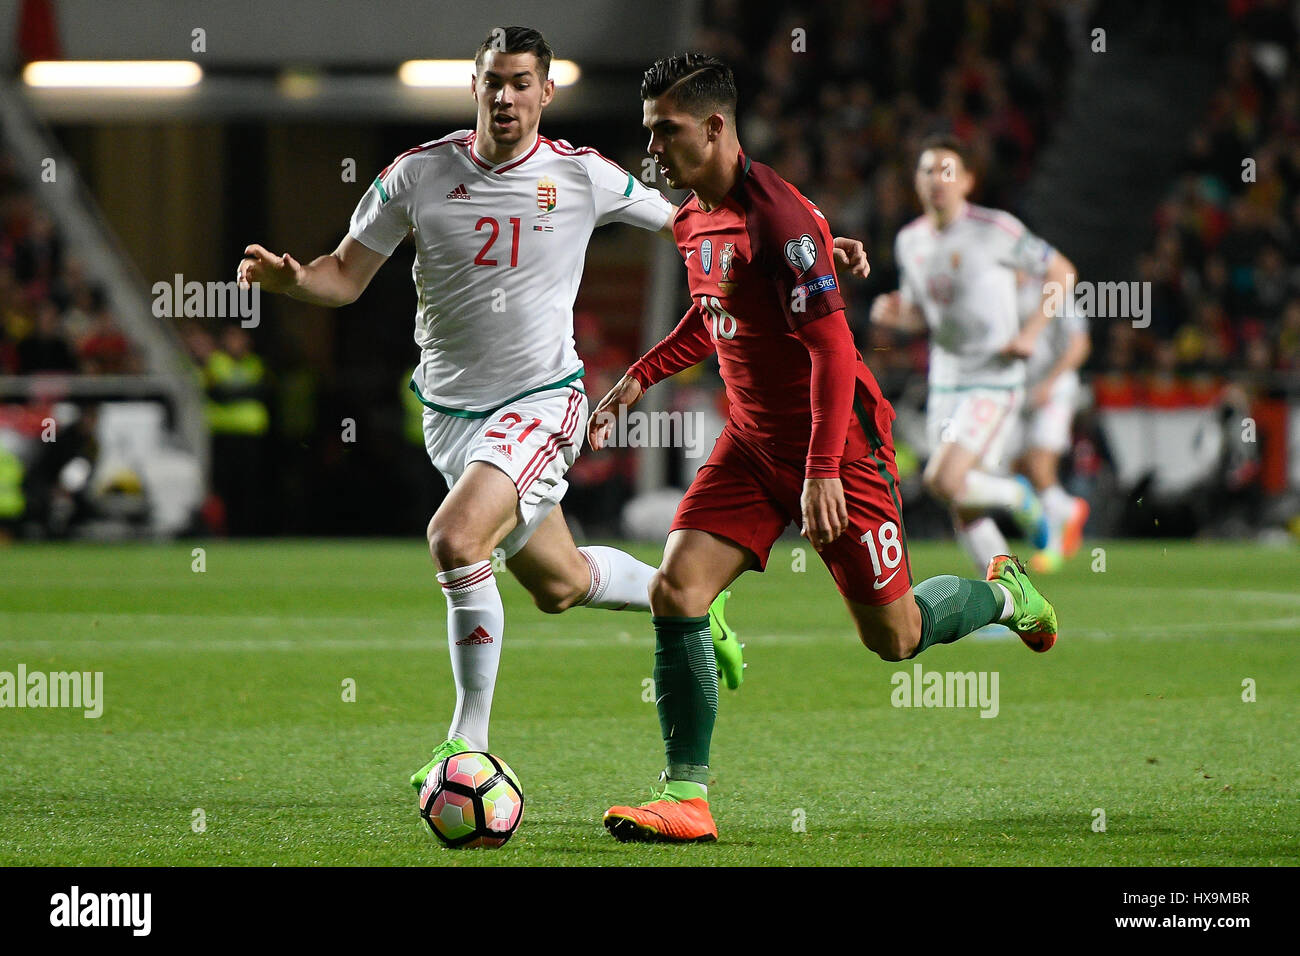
x: 472, y: 799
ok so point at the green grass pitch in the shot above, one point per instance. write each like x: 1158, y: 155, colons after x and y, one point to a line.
x: 224, y: 692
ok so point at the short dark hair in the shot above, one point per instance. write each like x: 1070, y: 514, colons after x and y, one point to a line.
x: 700, y: 84
x: 516, y: 40
x: 945, y: 141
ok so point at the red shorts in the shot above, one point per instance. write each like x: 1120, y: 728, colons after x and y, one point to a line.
x: 745, y: 495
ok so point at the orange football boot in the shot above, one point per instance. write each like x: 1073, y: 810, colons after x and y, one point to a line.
x: 663, y: 821
x: 1072, y: 530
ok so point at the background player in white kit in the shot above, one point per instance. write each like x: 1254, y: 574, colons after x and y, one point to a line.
x: 501, y: 218
x: 1041, y: 433
x: 957, y: 266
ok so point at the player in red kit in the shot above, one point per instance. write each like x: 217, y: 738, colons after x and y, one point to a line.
x: 808, y: 439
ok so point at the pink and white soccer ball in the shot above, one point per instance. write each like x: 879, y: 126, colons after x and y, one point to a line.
x: 472, y: 799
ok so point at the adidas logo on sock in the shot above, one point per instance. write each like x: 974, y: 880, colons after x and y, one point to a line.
x: 476, y: 636
x: 460, y: 192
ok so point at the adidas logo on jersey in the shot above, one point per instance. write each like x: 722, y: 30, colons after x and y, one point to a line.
x: 504, y: 450
x: 476, y: 636
x: 460, y: 192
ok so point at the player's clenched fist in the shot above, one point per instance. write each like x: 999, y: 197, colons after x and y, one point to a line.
x: 825, y: 515
x: 626, y: 393
x: 274, y: 273
x: 850, y: 254
x: 887, y: 308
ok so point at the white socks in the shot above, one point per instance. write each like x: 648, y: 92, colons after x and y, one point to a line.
x: 618, y: 581
x: 475, y: 622
x: 984, y: 492
x: 982, y: 540
x: 1008, y: 605
x: 1058, y: 503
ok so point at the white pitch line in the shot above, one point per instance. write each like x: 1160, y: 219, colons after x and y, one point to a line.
x: 437, y: 642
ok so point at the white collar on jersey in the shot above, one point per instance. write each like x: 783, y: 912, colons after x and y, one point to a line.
x: 509, y: 163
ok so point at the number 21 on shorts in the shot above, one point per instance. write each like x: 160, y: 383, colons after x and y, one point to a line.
x: 511, y: 420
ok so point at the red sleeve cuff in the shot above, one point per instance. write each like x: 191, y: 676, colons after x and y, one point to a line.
x: 642, y: 376
x: 822, y: 466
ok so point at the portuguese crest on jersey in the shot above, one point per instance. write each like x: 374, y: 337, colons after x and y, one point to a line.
x: 547, y: 194
x: 726, y: 285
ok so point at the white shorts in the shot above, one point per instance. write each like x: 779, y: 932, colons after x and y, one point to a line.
x: 535, y: 440
x: 1048, y: 426
x: 977, y: 419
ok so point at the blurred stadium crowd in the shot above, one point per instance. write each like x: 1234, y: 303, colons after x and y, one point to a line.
x: 843, y: 125
x: 53, y: 317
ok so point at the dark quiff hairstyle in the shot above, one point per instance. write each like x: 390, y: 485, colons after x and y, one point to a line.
x: 516, y: 40
x: 698, y: 83
x: 945, y: 141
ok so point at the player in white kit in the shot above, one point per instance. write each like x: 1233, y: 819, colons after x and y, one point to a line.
x: 957, y: 266
x: 501, y: 217
x: 1042, y: 430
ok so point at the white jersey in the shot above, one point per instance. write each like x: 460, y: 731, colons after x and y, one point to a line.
x: 499, y: 251
x: 963, y: 279
x: 1055, y: 338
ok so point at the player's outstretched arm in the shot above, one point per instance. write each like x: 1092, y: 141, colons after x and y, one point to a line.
x: 333, y: 280
x: 681, y: 348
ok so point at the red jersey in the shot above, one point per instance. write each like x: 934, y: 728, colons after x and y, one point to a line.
x: 765, y: 296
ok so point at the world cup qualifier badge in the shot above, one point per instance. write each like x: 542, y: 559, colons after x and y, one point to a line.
x: 802, y: 253
x: 547, y: 194
x: 706, y: 255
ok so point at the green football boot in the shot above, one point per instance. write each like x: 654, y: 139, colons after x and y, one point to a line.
x: 1033, y: 617
x: 445, y: 749
x: 728, y: 651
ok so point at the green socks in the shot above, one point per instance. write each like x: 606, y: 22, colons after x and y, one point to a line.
x: 679, y: 790
x: 952, y: 607
x: 686, y: 689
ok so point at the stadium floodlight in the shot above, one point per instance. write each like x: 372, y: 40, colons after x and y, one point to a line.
x: 455, y: 74
x: 113, y: 74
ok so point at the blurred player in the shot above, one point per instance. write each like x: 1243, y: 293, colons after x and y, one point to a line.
x: 501, y: 218
x: 1042, y: 432
x: 957, y: 266
x: 807, y: 439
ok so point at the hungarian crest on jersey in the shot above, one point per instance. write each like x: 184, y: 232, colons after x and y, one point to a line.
x: 547, y: 194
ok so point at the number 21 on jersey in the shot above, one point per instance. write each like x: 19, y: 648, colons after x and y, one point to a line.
x: 487, y: 222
